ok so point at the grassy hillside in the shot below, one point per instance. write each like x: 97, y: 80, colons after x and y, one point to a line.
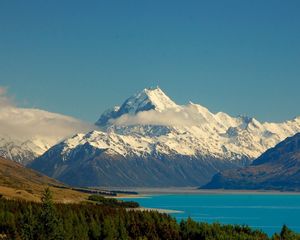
x: 16, y: 181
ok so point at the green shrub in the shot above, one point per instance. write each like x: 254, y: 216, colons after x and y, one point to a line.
x: 112, y: 202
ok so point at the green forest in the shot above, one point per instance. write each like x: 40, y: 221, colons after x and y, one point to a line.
x: 108, y: 219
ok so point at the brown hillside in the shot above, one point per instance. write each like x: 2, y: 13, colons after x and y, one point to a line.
x: 16, y: 181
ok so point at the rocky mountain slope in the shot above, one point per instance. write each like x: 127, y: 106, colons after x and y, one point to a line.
x: 277, y: 169
x: 151, y: 141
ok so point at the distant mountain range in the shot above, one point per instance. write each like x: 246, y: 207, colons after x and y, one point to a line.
x: 277, y: 169
x: 27, y: 133
x: 151, y: 141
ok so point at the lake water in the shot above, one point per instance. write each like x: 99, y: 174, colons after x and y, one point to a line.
x: 263, y: 211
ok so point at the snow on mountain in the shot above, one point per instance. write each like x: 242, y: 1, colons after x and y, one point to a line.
x: 148, y: 99
x: 145, y: 100
x: 276, y: 169
x: 27, y: 133
x: 194, y: 128
x: 149, y: 127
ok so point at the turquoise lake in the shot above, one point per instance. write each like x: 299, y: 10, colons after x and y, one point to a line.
x: 262, y: 211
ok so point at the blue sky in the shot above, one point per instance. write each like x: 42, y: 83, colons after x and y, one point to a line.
x: 81, y: 57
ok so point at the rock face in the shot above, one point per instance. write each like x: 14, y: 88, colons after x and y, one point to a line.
x: 151, y: 141
x: 277, y: 169
x: 90, y: 166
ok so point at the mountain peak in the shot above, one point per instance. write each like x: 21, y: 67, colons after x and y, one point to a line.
x: 154, y: 96
x: 157, y: 88
x: 147, y: 99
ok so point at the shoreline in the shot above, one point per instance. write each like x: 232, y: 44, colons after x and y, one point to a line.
x: 160, y: 210
x: 128, y: 196
x: 147, y: 192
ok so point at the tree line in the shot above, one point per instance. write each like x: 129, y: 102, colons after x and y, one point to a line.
x: 112, y: 202
x: 55, y: 221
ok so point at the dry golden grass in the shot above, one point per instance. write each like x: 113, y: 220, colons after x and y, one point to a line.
x: 16, y: 181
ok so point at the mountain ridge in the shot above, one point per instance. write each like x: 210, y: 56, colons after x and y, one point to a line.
x: 277, y: 169
x: 26, y: 133
x: 151, y: 130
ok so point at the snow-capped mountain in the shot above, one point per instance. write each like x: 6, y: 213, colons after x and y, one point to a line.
x: 27, y: 133
x: 148, y: 99
x: 276, y: 169
x: 192, y: 127
x: 21, y: 151
x: 150, y: 140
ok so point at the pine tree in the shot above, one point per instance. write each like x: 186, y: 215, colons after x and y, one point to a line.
x: 7, y: 225
x: 28, y: 222
x: 288, y: 234
x: 50, y: 228
x: 122, y: 232
x: 109, y: 229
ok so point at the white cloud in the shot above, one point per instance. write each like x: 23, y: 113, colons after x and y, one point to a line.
x: 5, y: 101
x: 31, y: 124
x: 189, y: 115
